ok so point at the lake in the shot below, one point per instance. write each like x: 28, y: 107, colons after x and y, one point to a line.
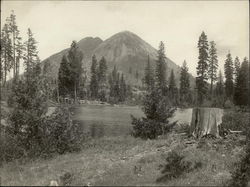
x: 100, y: 121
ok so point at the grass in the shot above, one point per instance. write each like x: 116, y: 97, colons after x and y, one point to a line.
x: 128, y: 161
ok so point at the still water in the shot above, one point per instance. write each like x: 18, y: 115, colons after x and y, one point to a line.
x: 98, y: 121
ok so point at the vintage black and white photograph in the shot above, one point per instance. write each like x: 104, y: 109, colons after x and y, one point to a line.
x: 125, y: 93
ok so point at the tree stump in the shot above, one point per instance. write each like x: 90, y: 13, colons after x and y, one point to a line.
x: 205, y: 121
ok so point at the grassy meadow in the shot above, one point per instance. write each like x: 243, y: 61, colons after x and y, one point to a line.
x: 129, y: 161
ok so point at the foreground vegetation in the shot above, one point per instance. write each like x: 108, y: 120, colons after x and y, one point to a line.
x: 132, y: 161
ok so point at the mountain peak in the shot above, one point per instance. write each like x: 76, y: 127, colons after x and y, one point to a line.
x: 126, y: 35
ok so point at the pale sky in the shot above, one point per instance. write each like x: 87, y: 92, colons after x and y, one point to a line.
x: 177, y: 23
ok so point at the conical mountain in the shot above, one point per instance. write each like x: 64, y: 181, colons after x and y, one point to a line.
x: 125, y: 49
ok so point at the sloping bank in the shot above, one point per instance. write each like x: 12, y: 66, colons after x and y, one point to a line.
x: 129, y: 161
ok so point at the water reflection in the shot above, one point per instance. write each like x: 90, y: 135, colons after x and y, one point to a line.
x: 102, y: 121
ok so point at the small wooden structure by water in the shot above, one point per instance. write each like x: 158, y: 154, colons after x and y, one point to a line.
x: 205, y: 121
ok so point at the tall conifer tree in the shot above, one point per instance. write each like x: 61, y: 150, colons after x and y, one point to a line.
x: 213, y: 65
x: 173, y: 90
x: 202, y: 68
x: 94, y: 78
x: 241, y: 90
x: 229, y: 84
x: 102, y: 79
x: 6, y: 53
x: 236, y: 68
x: 30, y: 56
x: 184, y: 83
x: 148, y: 76
x: 160, y: 70
x: 75, y: 57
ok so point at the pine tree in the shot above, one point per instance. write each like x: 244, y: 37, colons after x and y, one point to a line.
x: 173, y: 90
x: 236, y: 77
x: 229, y: 84
x: 148, y: 76
x: 6, y: 53
x: 16, y: 43
x: 241, y: 90
x: 236, y: 68
x: 31, y: 52
x: 102, y: 79
x: 160, y: 70
x: 213, y: 65
x: 184, y: 84
x: 112, y: 81
x: 220, y: 84
x: 202, y: 68
x: 70, y: 72
x: 123, y: 89
x: 20, y: 55
x: 64, y: 80
x: 75, y: 57
x: 30, y: 102
x: 117, y: 86
x: 94, y: 78
x: 219, y: 90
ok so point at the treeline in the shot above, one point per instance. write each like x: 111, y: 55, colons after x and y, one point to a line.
x: 212, y: 88
x: 102, y: 86
x: 178, y: 95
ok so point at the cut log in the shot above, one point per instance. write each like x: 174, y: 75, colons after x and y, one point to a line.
x: 205, y: 121
x: 234, y: 131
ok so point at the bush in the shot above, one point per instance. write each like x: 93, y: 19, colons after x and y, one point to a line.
x: 176, y: 166
x: 157, y: 110
x: 238, y: 121
x: 10, y: 146
x: 241, y: 175
x: 149, y: 128
x: 61, y: 134
x: 182, y: 128
x: 228, y: 104
x: 55, y: 134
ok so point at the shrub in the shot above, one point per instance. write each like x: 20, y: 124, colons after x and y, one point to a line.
x: 56, y: 134
x: 228, y: 104
x: 176, y: 166
x: 183, y: 128
x: 61, y: 134
x: 149, y: 128
x: 238, y: 121
x: 158, y: 110
x: 241, y: 175
x: 10, y: 146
